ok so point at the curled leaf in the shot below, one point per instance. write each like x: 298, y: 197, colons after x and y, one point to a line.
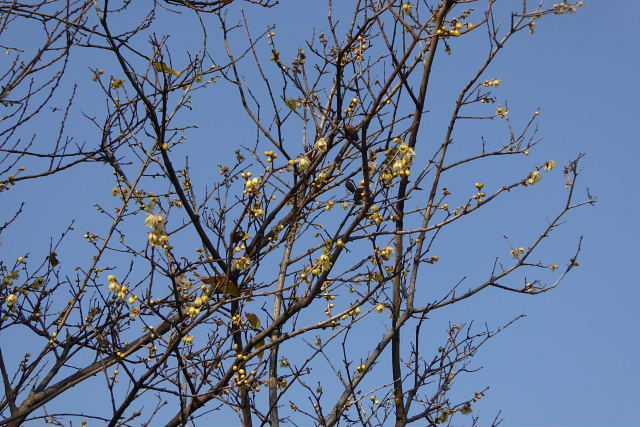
x: 161, y: 67
x: 253, y: 319
x: 222, y: 285
x: 53, y: 259
x: 260, y: 344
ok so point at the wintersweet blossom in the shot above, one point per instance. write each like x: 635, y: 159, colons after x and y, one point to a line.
x: 12, y: 299
x: 154, y: 220
x: 243, y: 263
x: 534, y: 177
x: 303, y: 162
x: 321, y: 145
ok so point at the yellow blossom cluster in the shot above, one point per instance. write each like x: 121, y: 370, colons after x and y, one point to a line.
x: 534, y: 177
x: 276, y: 56
x: 158, y: 236
x: 375, y: 217
x: 492, y: 82
x: 398, y: 161
x: 320, y: 180
x: 11, y: 276
x: 384, y: 254
x: 121, y: 291
x: 358, y: 50
x: 252, y: 186
x: 353, y: 313
x: 242, y: 378
x: 271, y: 156
x: 236, y: 319
x: 479, y: 197
x: 517, y: 252
x: 299, y: 61
x: 502, y: 112
x: 257, y: 211
x: 456, y: 31
x: 565, y: 7
x: 322, y: 264
x: 243, y: 263
x: 193, y: 311
x: 97, y: 75
x: 352, y: 106
x: 194, y: 308
x: 117, y: 83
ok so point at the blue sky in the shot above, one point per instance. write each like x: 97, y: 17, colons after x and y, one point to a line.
x: 573, y: 359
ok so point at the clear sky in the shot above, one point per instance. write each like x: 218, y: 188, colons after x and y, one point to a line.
x: 574, y: 359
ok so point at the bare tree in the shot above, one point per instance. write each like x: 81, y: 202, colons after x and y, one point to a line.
x: 245, y: 293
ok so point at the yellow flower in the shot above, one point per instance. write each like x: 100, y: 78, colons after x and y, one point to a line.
x: 535, y: 176
x: 406, y: 7
x: 502, y: 112
x: 12, y: 299
x: 303, y: 163
x: 253, y: 185
x: 321, y: 145
x: 257, y: 212
x: 386, y: 253
x: 380, y: 307
x: 493, y: 82
x: 551, y: 164
x: 154, y: 220
x: 243, y: 263
x: 292, y: 103
x: 117, y: 83
x: 38, y: 283
x: 324, y: 262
